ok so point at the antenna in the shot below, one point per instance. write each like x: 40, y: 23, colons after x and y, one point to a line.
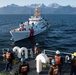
x: 37, y: 11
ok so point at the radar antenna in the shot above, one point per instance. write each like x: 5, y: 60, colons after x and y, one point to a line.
x: 37, y: 12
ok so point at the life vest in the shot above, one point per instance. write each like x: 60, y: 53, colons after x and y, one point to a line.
x: 55, y: 70
x: 57, y: 59
x: 24, y: 68
x: 31, y: 32
x: 8, y: 55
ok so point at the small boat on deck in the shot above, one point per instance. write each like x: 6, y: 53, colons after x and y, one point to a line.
x: 35, y: 25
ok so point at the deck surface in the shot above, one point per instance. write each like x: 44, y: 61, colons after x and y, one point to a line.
x: 65, y: 68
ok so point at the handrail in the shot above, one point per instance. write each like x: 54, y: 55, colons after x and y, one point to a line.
x: 66, y: 55
x: 43, y: 51
x: 5, y: 49
x: 55, y: 51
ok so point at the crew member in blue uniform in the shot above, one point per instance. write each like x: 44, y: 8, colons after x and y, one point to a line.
x: 24, y: 67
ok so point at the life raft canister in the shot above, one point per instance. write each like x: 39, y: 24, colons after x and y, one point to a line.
x: 31, y: 32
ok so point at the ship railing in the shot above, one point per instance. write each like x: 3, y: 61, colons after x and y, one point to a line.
x: 55, y: 51
x: 50, y: 53
x: 30, y: 52
x: 3, y: 51
x: 67, y: 56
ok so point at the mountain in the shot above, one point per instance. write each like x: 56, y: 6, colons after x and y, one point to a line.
x: 32, y: 5
x: 12, y: 5
x: 54, y: 5
x: 53, y: 8
x: 36, y: 5
x: 66, y: 10
x: 14, y: 9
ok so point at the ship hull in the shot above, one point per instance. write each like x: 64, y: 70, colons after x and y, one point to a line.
x: 20, y: 35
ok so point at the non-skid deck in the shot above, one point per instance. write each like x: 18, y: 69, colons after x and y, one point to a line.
x: 65, y: 68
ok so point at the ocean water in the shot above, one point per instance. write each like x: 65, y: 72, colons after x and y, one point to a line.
x: 60, y: 36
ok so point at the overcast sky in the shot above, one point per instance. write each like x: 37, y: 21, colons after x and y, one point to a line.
x: 28, y: 2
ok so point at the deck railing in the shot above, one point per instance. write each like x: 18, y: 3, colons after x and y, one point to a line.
x: 66, y: 55
x: 50, y: 53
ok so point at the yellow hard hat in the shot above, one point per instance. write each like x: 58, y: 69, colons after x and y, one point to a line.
x: 74, y: 54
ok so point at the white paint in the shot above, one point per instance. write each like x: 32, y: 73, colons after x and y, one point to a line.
x: 41, y: 58
x: 39, y: 26
x: 20, y: 50
x: 26, y: 52
x: 39, y: 66
x: 16, y: 48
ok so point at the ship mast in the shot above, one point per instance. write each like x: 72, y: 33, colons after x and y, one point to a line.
x: 37, y: 12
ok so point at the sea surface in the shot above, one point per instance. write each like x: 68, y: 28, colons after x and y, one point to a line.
x: 60, y: 36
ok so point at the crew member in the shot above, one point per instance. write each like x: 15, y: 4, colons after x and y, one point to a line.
x: 36, y: 49
x: 22, y: 27
x: 73, y: 65
x: 24, y: 67
x: 9, y: 60
x: 59, y: 61
x: 54, y: 68
x: 32, y: 31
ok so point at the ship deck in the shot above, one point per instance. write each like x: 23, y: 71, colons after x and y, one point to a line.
x: 65, y: 68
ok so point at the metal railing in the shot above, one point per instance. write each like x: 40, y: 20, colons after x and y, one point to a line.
x: 55, y: 51
x: 65, y: 55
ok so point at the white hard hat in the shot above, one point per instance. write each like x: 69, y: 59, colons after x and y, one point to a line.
x: 37, y: 43
x: 57, y: 52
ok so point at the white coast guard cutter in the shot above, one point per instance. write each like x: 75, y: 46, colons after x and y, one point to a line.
x: 35, y: 25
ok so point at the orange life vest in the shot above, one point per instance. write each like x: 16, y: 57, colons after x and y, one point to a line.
x: 24, y: 68
x: 58, y: 58
x: 8, y: 55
